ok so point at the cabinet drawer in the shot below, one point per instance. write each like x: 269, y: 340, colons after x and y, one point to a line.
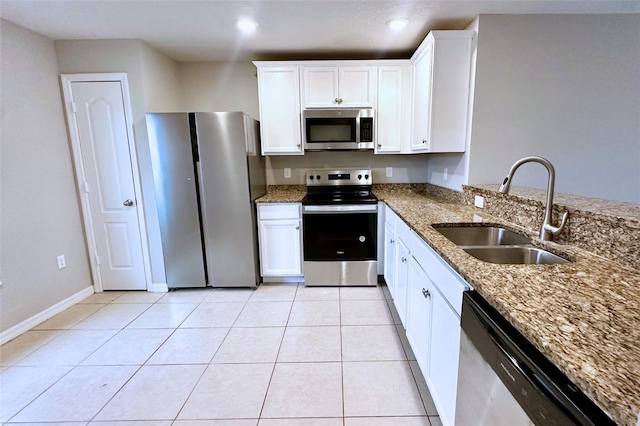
x: 279, y: 211
x: 402, y: 231
x: 448, y: 282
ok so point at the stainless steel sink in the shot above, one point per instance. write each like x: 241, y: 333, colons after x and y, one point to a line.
x: 495, y: 244
x: 515, y: 255
x: 482, y: 236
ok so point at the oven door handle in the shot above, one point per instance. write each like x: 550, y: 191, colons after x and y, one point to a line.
x: 343, y: 208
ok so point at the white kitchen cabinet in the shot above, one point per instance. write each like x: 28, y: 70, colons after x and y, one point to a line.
x: 280, y: 239
x: 427, y: 294
x: 339, y: 87
x: 442, y: 79
x: 401, y: 269
x: 419, y: 317
x: 390, y: 257
x: 280, y: 112
x: 393, y: 110
x: 443, y: 357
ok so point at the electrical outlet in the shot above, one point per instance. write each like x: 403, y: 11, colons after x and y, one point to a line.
x: 62, y: 263
x: 445, y: 174
x: 479, y: 201
x: 287, y: 173
x: 389, y: 171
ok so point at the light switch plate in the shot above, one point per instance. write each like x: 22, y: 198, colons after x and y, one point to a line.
x: 479, y: 201
x: 389, y: 171
x: 287, y: 173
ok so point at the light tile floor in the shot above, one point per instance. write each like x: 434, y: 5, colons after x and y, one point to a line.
x: 284, y: 354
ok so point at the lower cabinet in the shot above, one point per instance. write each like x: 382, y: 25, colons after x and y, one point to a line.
x: 280, y: 239
x: 419, y: 315
x: 444, y: 353
x: 389, y: 256
x: 427, y: 294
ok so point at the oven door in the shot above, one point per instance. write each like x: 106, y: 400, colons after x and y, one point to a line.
x: 340, y: 244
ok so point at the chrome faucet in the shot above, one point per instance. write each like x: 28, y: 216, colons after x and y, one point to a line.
x: 547, y: 230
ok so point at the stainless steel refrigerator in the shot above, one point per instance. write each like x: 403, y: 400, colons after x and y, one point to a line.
x: 207, y: 172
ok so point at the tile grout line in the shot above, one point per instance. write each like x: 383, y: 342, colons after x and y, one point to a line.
x: 273, y: 370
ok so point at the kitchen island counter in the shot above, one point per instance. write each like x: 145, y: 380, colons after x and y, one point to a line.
x: 582, y: 315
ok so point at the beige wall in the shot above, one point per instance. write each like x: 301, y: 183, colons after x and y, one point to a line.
x: 40, y: 211
x: 153, y: 85
x: 228, y: 86
x: 565, y: 87
x: 406, y: 168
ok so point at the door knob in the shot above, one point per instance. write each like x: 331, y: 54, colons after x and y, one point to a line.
x: 128, y: 203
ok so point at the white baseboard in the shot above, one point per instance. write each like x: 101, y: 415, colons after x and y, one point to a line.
x: 41, y: 317
x: 299, y: 279
x: 159, y: 288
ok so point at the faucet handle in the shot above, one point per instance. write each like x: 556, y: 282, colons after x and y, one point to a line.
x: 556, y: 230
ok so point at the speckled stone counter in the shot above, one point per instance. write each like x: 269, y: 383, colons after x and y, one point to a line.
x: 583, y: 316
x: 608, y: 228
x: 283, y: 194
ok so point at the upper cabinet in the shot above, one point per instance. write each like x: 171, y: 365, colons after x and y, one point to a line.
x: 421, y: 105
x: 442, y: 79
x: 339, y: 86
x: 280, y: 112
x: 393, y: 111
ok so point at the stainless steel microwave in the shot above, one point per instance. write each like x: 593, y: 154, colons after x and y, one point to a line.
x: 338, y: 129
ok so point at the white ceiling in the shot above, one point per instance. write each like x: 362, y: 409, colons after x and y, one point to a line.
x: 198, y: 31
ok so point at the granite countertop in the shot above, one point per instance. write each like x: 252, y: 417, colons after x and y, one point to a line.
x: 283, y: 194
x: 583, y: 316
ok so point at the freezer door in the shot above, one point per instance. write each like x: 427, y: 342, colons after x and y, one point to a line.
x: 176, y: 197
x: 227, y: 208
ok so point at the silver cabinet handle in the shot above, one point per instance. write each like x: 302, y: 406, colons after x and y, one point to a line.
x: 424, y: 141
x: 425, y: 293
x: 297, y: 227
x: 379, y: 145
x: 391, y: 241
x: 128, y: 203
x: 298, y: 145
x: 340, y: 100
x: 336, y: 100
x: 404, y: 260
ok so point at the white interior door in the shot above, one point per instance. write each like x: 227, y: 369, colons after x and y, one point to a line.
x: 99, y: 123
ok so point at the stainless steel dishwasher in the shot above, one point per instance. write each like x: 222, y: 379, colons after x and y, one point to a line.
x: 504, y: 380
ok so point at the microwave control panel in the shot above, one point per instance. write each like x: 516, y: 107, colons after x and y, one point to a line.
x: 366, y: 129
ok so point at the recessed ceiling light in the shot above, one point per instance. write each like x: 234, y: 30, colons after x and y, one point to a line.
x: 246, y: 25
x: 397, y: 23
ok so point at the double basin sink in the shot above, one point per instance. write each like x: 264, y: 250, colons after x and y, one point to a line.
x: 497, y: 245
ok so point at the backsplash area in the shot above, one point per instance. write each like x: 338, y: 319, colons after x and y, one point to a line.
x: 610, y: 229
x: 406, y: 168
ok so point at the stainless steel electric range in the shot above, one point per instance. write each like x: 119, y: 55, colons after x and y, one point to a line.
x: 339, y: 220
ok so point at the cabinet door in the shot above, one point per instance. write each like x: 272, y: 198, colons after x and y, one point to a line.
x: 444, y: 355
x: 450, y: 92
x: 400, y: 292
x: 320, y: 85
x: 280, y: 247
x: 280, y: 120
x: 389, y: 258
x: 422, y: 79
x: 389, y: 113
x: 357, y: 87
x: 419, y: 314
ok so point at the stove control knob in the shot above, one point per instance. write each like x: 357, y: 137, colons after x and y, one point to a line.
x: 311, y: 177
x: 359, y: 177
x: 318, y: 177
x: 366, y: 176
